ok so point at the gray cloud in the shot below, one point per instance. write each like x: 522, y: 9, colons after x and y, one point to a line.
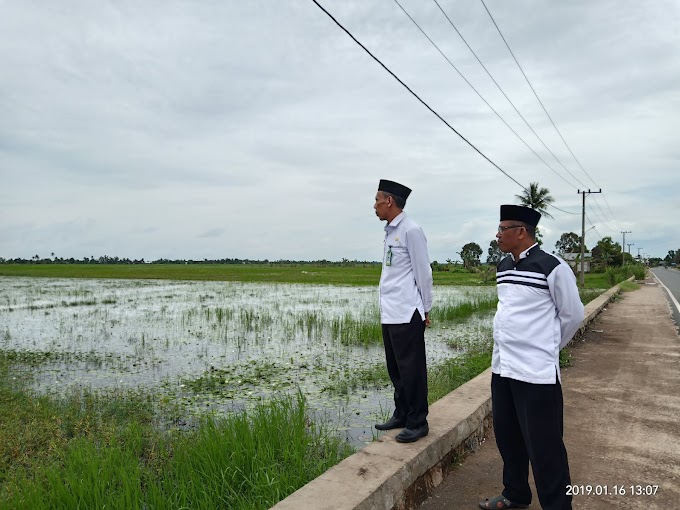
x: 260, y: 130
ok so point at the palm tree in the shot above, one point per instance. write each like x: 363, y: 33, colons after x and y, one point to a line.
x: 537, y: 198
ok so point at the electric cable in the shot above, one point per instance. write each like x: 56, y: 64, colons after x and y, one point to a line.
x: 424, y: 103
x: 535, y: 94
x: 416, y: 95
x: 506, y: 96
x: 480, y: 95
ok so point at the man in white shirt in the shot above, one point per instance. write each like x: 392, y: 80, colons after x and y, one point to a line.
x: 405, y: 303
x: 539, y: 311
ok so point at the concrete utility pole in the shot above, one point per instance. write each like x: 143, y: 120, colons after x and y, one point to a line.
x: 629, y: 245
x: 639, y: 253
x: 583, y: 231
x: 623, y: 247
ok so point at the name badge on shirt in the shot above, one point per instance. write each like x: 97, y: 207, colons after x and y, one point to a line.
x: 388, y: 256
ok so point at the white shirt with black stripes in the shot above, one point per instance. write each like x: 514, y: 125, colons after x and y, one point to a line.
x: 539, y: 311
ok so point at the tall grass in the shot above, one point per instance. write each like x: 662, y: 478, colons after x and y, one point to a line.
x: 106, y: 451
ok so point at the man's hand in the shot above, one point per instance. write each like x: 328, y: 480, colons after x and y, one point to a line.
x: 427, y: 319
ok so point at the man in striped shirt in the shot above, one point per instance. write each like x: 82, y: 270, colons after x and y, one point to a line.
x: 539, y: 311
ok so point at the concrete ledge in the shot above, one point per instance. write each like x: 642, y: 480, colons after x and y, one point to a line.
x: 386, y: 475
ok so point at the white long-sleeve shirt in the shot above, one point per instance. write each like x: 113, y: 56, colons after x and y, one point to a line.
x: 406, y: 278
x: 539, y: 311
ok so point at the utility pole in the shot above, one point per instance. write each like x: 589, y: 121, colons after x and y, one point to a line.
x: 623, y: 247
x: 629, y: 245
x: 639, y: 253
x: 583, y: 231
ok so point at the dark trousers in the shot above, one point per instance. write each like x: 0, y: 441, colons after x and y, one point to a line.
x: 528, y: 422
x: 405, y: 356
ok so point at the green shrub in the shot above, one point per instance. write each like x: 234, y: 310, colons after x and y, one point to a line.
x: 618, y: 274
x: 640, y: 271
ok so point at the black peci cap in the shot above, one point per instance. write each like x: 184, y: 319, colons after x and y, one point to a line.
x: 520, y: 213
x: 394, y: 188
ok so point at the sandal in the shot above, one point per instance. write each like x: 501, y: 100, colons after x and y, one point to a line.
x: 500, y: 502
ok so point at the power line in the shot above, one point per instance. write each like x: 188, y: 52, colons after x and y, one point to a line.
x: 424, y: 103
x: 479, y: 94
x: 562, y: 210
x: 604, y: 216
x: 416, y: 95
x: 535, y: 94
x: 506, y: 96
x: 610, y: 211
x: 601, y: 219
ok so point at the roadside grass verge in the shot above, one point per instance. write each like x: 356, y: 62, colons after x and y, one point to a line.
x: 95, y: 450
x: 628, y: 286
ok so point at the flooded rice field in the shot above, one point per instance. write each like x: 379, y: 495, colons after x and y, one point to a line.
x: 218, y: 346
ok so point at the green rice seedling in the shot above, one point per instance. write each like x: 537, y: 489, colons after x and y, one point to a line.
x: 311, y: 322
x: 84, y: 302
x: 362, y: 332
x: 351, y: 331
x: 224, y: 314
x: 461, y: 311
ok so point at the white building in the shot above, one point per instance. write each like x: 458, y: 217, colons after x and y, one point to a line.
x: 573, y: 260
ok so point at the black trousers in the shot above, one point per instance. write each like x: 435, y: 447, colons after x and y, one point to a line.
x: 405, y: 356
x: 528, y: 422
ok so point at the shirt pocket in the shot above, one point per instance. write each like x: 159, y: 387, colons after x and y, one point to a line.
x: 399, y: 254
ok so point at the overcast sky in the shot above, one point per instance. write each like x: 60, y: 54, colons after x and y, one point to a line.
x: 259, y: 129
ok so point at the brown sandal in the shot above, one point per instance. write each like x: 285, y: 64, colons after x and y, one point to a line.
x: 500, y: 502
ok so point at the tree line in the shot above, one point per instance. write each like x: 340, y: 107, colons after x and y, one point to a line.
x: 105, y: 259
x: 607, y: 253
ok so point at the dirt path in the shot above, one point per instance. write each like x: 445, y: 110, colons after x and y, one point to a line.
x: 622, y: 415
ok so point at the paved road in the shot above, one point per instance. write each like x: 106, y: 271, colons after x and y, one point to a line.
x: 621, y: 405
x: 671, y: 280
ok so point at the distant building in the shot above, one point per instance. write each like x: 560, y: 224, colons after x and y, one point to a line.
x: 573, y: 260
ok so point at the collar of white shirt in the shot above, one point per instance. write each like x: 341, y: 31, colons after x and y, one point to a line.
x: 395, y: 221
x: 524, y: 254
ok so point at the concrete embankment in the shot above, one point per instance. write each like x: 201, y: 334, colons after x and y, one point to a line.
x: 386, y: 475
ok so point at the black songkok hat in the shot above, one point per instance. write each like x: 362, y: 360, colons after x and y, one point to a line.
x: 520, y: 213
x: 394, y: 188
